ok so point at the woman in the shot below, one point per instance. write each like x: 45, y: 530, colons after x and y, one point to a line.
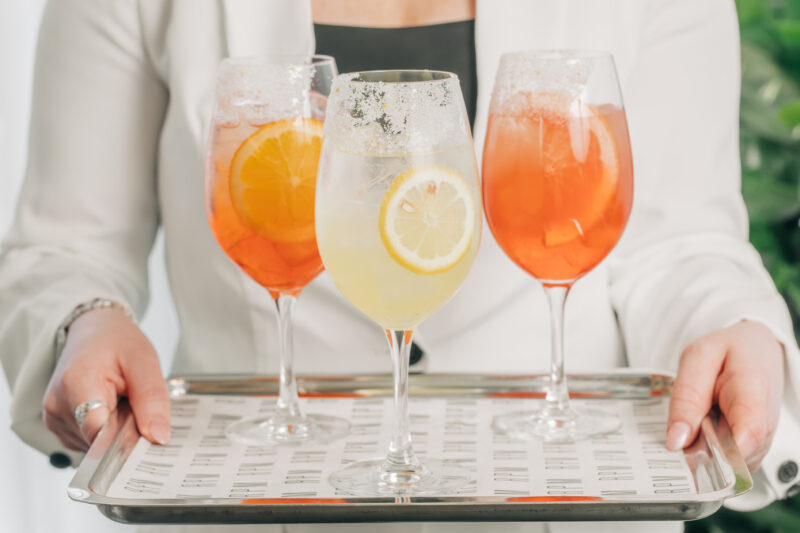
x: 122, y: 104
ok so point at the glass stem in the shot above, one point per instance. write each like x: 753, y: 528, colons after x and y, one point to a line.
x: 557, y: 399
x: 288, y: 405
x: 401, y: 455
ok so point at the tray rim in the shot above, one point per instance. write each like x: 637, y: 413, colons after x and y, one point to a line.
x: 714, y: 432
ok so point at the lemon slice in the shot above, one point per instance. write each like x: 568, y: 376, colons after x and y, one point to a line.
x: 427, y: 219
x: 273, y: 179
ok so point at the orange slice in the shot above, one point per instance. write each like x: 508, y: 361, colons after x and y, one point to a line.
x: 274, y: 176
x: 580, y: 152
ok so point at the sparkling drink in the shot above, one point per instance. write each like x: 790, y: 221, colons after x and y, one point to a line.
x: 261, y: 171
x: 393, y: 293
x: 558, y: 185
x: 262, y: 215
x: 557, y: 189
x: 398, y: 225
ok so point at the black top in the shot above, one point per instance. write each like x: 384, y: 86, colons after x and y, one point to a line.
x: 449, y: 47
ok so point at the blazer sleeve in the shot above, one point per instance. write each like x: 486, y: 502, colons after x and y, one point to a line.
x: 88, y: 210
x: 684, y: 267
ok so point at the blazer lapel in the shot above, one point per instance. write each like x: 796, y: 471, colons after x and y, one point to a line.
x: 258, y: 27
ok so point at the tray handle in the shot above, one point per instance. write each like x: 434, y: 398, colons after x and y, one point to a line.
x: 725, y: 453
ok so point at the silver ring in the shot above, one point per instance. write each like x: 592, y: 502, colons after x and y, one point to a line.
x: 83, y: 409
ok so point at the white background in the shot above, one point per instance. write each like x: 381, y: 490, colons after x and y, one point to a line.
x: 32, y: 493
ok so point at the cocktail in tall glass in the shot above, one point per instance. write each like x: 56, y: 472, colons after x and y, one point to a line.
x: 261, y: 170
x: 398, y: 228
x: 557, y: 189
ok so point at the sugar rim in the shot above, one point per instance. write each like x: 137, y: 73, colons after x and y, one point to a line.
x: 395, y: 111
x: 373, y: 77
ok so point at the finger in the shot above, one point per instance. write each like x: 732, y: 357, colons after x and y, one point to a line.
x: 57, y: 417
x: 80, y: 387
x: 754, y: 463
x: 73, y: 443
x: 745, y: 403
x: 147, y: 394
x: 693, y: 391
x: 68, y: 436
x: 94, y: 422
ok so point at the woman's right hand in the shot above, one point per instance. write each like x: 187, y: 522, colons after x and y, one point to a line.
x: 106, y: 356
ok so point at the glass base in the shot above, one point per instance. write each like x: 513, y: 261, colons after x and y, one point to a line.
x: 551, y: 425
x: 370, y: 478
x: 277, y: 431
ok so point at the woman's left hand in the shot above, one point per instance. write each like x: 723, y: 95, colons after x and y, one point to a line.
x: 740, y: 369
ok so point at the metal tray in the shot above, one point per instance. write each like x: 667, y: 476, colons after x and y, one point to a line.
x: 717, y: 468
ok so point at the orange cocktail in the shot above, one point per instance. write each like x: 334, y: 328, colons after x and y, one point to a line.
x: 557, y: 191
x: 557, y: 184
x: 261, y: 178
x: 261, y: 206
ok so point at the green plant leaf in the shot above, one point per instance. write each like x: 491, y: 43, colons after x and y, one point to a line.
x: 790, y: 113
x: 777, y: 518
x: 768, y: 199
x: 788, y: 32
x: 790, y: 8
x: 766, y: 87
x: 750, y: 11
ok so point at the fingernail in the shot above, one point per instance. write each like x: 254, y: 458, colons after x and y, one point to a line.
x: 677, y: 435
x: 160, y: 431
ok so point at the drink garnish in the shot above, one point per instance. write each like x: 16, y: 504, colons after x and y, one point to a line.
x: 273, y: 179
x: 427, y: 219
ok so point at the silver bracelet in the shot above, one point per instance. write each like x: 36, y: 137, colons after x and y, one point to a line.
x: 97, y: 303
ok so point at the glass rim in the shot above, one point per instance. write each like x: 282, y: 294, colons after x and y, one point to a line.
x: 433, y: 76
x: 297, y: 60
x: 559, y: 54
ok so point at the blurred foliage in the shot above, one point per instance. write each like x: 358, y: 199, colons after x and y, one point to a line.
x: 770, y: 151
x: 770, y: 136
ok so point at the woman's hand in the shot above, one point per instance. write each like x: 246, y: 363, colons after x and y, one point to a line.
x: 106, y: 356
x: 739, y: 368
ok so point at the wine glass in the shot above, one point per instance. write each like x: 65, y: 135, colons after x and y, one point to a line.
x: 557, y: 190
x: 261, y: 171
x: 398, y: 226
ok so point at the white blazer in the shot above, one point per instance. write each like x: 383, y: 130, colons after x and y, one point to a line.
x: 123, y: 96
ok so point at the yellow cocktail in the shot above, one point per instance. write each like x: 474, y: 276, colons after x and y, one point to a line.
x: 398, y: 227
x: 398, y: 286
